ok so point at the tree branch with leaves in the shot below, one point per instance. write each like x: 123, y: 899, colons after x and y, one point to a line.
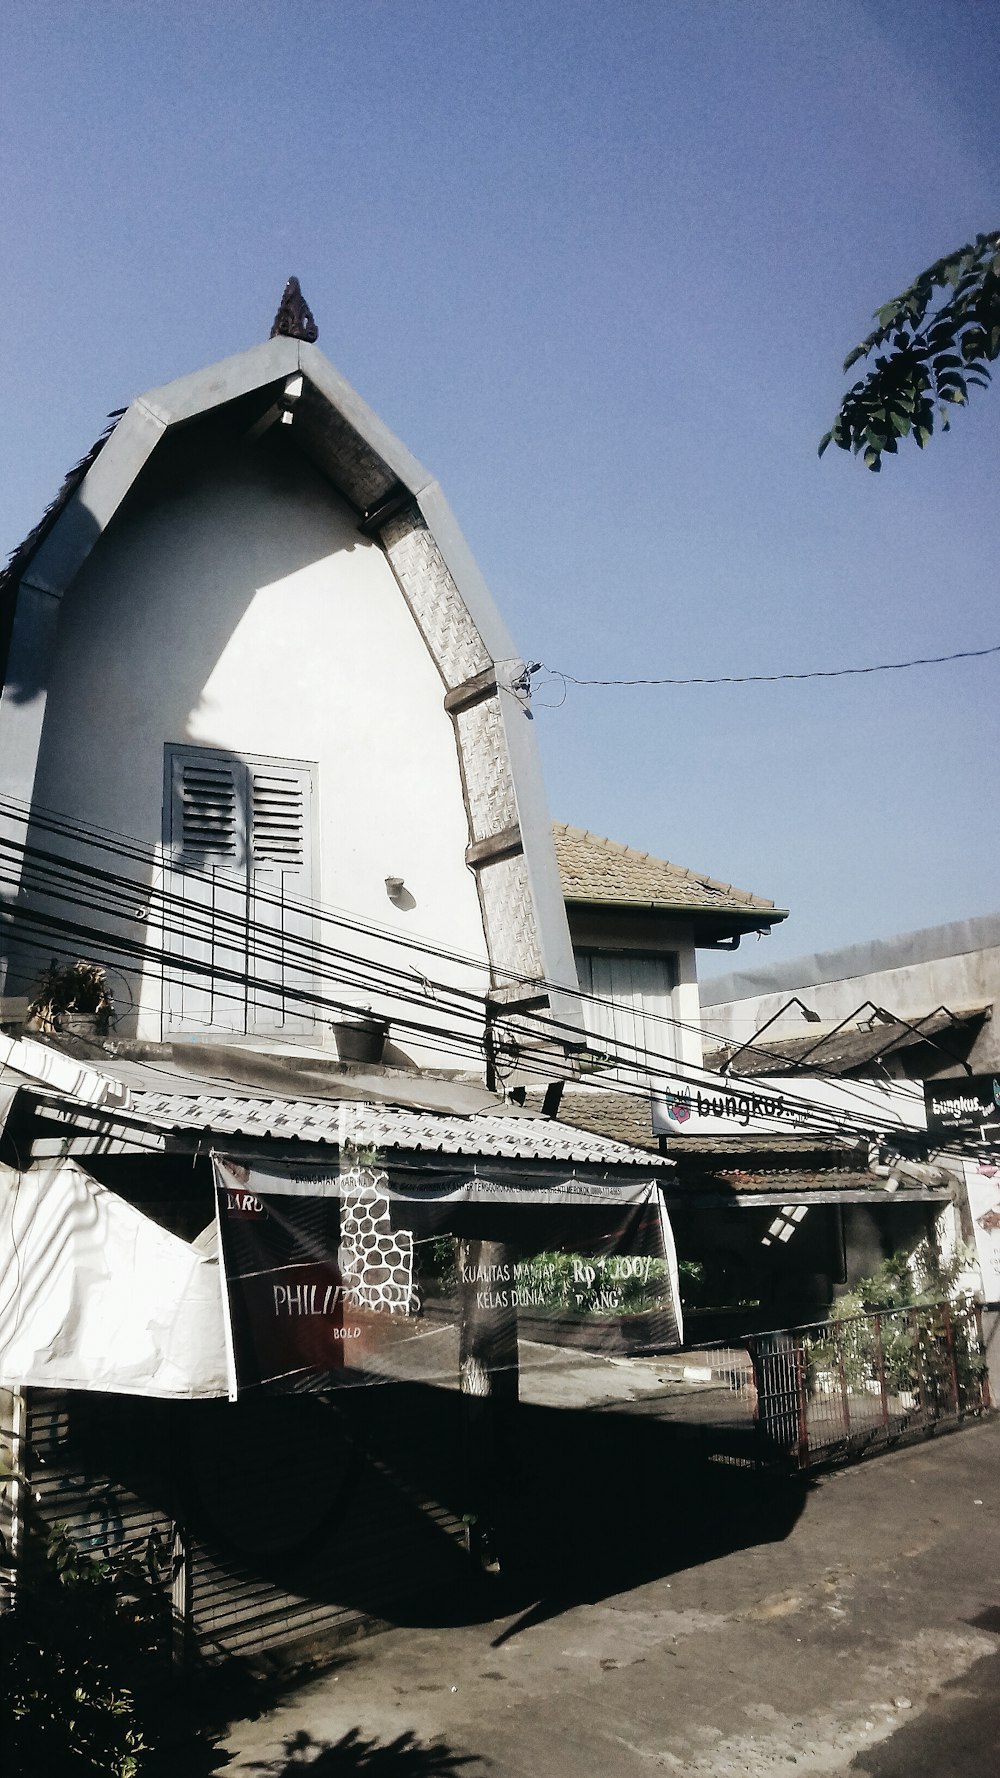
x: 930, y: 350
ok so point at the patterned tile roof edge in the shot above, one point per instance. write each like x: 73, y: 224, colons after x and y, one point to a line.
x: 594, y: 868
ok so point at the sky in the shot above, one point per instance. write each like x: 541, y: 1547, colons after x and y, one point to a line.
x: 598, y: 265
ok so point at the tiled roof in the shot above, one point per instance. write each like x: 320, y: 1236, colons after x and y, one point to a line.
x: 618, y: 1117
x: 11, y: 573
x: 778, y: 1185
x: 594, y: 869
x: 385, y: 1127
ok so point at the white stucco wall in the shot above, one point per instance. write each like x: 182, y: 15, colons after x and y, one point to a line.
x: 242, y: 610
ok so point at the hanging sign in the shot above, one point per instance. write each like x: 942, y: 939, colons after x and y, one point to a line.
x: 964, y: 1105
x: 727, y: 1105
x: 355, y: 1278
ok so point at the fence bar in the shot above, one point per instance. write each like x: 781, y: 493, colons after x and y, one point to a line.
x: 889, y: 1372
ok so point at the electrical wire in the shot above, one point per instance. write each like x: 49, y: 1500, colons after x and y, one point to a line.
x: 142, y: 892
x: 822, y: 1123
x: 638, y: 1062
x: 647, y: 1066
x: 927, y: 660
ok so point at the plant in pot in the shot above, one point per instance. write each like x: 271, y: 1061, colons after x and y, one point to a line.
x: 74, y: 998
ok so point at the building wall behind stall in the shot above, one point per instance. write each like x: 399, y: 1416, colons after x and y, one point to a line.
x: 957, y: 966
x: 234, y: 605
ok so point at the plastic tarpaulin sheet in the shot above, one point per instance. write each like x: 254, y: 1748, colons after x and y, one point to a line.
x: 94, y: 1295
x: 368, y: 1275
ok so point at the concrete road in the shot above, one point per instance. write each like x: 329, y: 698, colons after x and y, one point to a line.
x: 862, y: 1636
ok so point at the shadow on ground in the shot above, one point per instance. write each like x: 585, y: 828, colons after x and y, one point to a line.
x: 306, y: 1517
x: 585, y: 1503
x: 957, y: 1735
x: 353, y: 1756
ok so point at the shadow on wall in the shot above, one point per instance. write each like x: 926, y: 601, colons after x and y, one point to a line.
x: 136, y: 646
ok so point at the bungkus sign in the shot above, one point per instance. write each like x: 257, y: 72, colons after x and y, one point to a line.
x: 964, y: 1103
x: 719, y: 1105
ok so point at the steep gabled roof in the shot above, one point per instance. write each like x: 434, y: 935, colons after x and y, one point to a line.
x: 599, y: 872
x: 402, y: 509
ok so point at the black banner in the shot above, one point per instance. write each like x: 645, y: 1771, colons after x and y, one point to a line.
x: 353, y: 1278
x: 965, y: 1104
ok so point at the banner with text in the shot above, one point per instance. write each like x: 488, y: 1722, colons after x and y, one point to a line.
x: 728, y: 1105
x: 354, y: 1277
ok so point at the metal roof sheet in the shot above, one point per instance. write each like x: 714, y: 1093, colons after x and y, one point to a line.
x: 386, y: 1127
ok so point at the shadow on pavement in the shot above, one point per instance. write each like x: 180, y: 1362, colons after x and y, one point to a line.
x: 957, y: 1735
x: 584, y: 1502
x: 353, y: 1756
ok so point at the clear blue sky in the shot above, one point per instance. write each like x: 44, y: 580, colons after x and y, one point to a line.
x: 598, y: 265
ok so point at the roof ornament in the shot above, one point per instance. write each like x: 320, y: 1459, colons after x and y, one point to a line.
x: 295, y: 318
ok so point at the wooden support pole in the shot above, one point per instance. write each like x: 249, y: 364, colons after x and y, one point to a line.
x: 488, y: 1367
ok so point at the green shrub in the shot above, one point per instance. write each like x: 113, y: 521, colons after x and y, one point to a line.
x: 80, y: 1655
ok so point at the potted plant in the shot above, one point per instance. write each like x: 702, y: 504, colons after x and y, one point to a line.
x: 73, y: 998
x: 360, y: 1036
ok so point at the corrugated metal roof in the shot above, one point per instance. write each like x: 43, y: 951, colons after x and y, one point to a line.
x: 595, y: 869
x: 841, y: 1051
x: 385, y: 1127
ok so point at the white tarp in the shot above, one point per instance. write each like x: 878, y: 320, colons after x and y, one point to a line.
x: 94, y: 1295
x: 725, y: 1105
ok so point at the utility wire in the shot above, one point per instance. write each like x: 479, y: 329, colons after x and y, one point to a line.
x: 239, y: 984
x: 928, y: 660
x: 296, y: 951
x: 643, y: 1065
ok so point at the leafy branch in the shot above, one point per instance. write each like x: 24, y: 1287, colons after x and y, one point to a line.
x: 936, y: 351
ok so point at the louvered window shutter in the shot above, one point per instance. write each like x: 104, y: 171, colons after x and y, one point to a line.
x: 239, y: 921
x: 282, y: 962
x: 278, y: 815
x: 206, y: 906
x: 207, y: 817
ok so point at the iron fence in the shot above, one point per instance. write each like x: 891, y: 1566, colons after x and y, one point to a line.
x: 840, y: 1387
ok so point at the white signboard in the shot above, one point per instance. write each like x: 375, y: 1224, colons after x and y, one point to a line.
x: 982, y: 1182
x: 724, y: 1106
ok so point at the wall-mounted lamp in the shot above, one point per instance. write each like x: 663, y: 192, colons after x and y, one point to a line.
x: 394, y: 887
x: 751, y: 1043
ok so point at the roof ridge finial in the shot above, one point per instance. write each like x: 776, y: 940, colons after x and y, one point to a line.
x: 295, y: 318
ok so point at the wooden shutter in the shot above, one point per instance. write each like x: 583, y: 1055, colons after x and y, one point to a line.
x: 208, y: 816
x: 282, y: 927
x: 206, y: 917
x: 239, y: 839
x: 639, y: 986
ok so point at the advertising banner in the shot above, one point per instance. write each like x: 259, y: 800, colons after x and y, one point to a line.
x: 334, y: 1278
x: 726, y: 1105
x: 964, y: 1105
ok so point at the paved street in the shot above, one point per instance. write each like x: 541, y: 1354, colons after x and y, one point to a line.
x: 854, y: 1631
